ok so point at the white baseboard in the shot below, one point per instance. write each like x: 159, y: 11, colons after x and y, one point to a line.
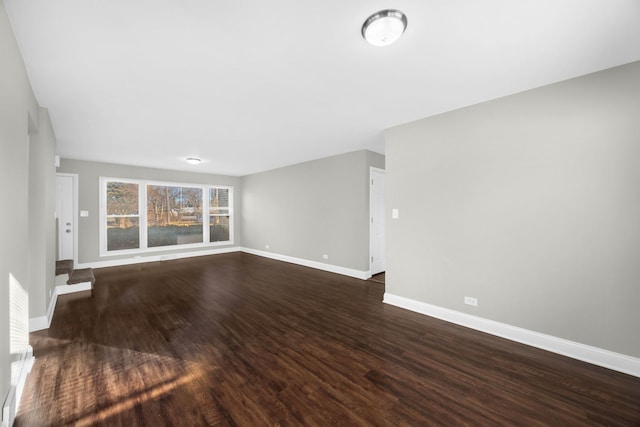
x: 12, y: 402
x: 358, y: 274
x: 76, y: 287
x: 61, y: 279
x: 153, y: 258
x: 25, y: 369
x: 9, y: 408
x: 61, y: 288
x: 586, y: 353
x: 43, y: 322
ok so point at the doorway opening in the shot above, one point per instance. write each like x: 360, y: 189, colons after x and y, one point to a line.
x: 377, y: 249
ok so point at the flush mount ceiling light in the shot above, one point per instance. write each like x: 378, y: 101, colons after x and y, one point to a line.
x: 384, y: 27
x: 193, y: 160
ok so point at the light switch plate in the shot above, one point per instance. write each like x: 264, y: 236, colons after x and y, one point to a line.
x: 395, y: 213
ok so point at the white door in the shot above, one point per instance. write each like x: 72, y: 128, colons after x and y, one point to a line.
x: 65, y: 213
x: 377, y: 213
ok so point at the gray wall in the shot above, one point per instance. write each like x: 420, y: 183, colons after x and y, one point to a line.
x: 18, y: 107
x: 303, y: 211
x: 42, y: 206
x: 530, y: 203
x: 89, y: 174
x: 313, y: 208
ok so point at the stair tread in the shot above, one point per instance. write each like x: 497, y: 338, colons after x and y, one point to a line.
x: 81, y: 276
x: 64, y: 266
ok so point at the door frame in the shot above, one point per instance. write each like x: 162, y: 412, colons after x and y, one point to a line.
x: 74, y: 179
x: 373, y: 170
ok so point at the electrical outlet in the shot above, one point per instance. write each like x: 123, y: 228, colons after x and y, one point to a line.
x: 471, y: 301
x: 325, y: 256
x: 266, y: 246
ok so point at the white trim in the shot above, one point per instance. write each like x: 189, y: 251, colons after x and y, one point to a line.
x: 12, y: 401
x: 38, y: 323
x: 138, y: 259
x: 43, y: 322
x: 373, y: 170
x: 586, y: 353
x: 76, y: 287
x: 61, y: 279
x: 9, y: 408
x: 307, y: 263
x: 140, y: 252
x: 143, y: 246
x: 74, y: 178
x: 102, y: 214
x: 26, y: 363
x: 358, y: 274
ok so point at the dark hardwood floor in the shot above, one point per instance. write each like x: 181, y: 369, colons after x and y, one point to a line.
x: 240, y: 340
x: 379, y: 278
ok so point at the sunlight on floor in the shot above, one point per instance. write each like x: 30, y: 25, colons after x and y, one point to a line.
x: 131, y: 378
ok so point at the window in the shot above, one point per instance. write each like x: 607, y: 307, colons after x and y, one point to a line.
x: 123, y: 217
x: 174, y: 215
x: 218, y: 214
x: 141, y: 216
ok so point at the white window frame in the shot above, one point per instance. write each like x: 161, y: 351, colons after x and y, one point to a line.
x: 142, y: 215
x: 206, y: 227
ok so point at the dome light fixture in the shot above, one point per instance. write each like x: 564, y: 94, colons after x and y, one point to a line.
x: 384, y: 27
x: 193, y: 160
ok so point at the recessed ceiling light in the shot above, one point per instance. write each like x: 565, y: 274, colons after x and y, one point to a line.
x: 384, y: 27
x: 193, y: 160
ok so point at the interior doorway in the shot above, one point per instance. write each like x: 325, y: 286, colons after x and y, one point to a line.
x: 377, y: 247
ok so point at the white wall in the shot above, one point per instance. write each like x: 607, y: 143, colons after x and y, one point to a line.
x: 530, y: 203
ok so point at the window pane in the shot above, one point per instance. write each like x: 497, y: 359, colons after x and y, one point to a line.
x: 122, y: 198
x: 123, y: 233
x: 218, y: 197
x: 174, y: 215
x: 219, y: 229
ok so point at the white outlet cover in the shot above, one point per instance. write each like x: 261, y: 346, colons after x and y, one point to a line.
x: 395, y: 213
x: 471, y: 301
x: 84, y: 214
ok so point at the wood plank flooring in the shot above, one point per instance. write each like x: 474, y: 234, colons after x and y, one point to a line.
x: 379, y: 278
x: 239, y: 340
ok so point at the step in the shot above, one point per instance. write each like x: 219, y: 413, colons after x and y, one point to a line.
x: 64, y: 266
x: 79, y: 280
x: 82, y: 275
x: 69, y: 280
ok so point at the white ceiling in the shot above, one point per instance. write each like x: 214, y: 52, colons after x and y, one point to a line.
x: 253, y: 85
